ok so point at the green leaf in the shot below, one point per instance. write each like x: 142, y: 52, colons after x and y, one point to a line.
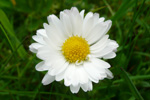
x: 123, y: 9
x: 131, y: 85
x: 5, y: 4
x: 10, y: 35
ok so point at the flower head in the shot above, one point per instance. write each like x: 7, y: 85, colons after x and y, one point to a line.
x: 72, y: 48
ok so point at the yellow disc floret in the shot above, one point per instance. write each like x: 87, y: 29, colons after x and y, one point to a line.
x: 75, y: 49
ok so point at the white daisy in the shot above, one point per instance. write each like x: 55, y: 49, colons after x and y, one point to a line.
x: 72, y: 48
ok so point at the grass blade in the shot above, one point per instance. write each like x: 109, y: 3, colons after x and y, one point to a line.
x: 131, y: 85
x: 10, y: 35
x: 123, y: 9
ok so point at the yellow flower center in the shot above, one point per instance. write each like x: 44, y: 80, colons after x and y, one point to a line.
x: 75, y: 49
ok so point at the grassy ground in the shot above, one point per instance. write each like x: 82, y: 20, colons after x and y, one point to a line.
x: 19, y: 20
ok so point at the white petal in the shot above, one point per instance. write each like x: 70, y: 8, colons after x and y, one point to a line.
x: 96, y: 18
x: 74, y: 10
x: 75, y: 89
x: 48, y: 79
x: 41, y: 32
x: 93, y: 74
x: 39, y: 36
x: 102, y: 43
x: 52, y: 19
x: 63, y: 68
x: 75, y: 75
x: 90, y: 86
x: 68, y: 74
x: 82, y: 13
x: 88, y: 23
x: 109, y: 74
x: 41, y: 66
x: 109, y: 55
x: 78, y: 25
x: 111, y: 46
x: 100, y: 66
x: 58, y: 67
x: 54, y: 35
x: 76, y: 21
x: 108, y: 23
x: 51, y: 44
x: 34, y: 47
x: 103, y: 52
x: 88, y: 16
x: 100, y: 63
x: 114, y: 44
x: 98, y: 31
x: 79, y: 76
x: 101, y: 19
x: 85, y: 87
x: 38, y: 39
x: 66, y: 21
x: 46, y: 52
x: 58, y: 26
x: 82, y: 74
x: 60, y: 76
x: 53, y: 58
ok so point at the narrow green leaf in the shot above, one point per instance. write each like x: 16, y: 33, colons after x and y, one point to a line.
x: 27, y: 65
x: 117, y: 24
x: 7, y: 37
x: 138, y: 77
x: 10, y: 35
x: 123, y: 9
x: 131, y: 85
x: 100, y: 8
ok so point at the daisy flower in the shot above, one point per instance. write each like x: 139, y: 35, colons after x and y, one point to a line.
x: 72, y: 48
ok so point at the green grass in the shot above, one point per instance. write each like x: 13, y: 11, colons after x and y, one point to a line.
x: 19, y: 20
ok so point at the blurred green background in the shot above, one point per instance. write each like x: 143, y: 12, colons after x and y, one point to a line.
x: 19, y: 20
